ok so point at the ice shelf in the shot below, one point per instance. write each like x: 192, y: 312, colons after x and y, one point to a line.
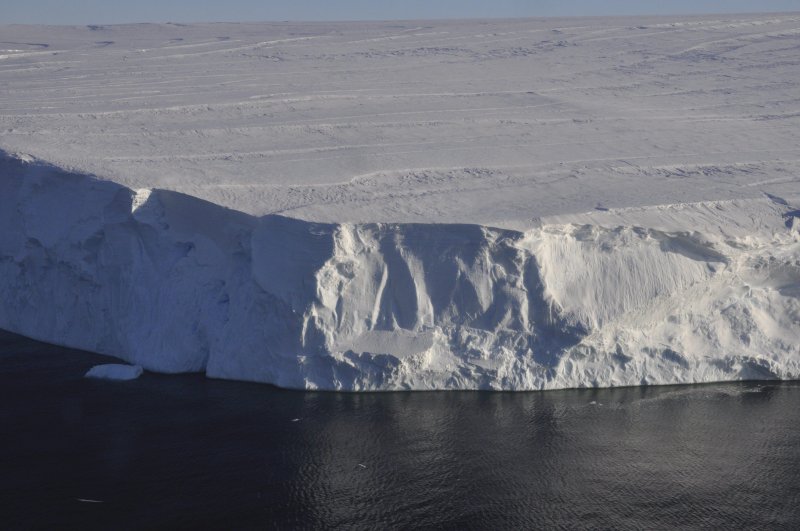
x: 526, y: 204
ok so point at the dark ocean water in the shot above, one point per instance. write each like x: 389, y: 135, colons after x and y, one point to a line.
x: 187, y: 452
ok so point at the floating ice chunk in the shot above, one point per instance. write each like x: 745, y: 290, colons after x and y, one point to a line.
x: 115, y: 371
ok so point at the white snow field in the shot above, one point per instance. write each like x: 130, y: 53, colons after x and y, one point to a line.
x: 500, y: 204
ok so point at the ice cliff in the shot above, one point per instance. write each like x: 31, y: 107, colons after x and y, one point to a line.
x: 667, y: 294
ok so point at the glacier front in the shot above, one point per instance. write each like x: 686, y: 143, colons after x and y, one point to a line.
x: 528, y: 204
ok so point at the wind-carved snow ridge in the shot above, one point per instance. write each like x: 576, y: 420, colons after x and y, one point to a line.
x: 654, y: 295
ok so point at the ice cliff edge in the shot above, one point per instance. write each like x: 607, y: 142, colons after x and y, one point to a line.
x: 668, y: 294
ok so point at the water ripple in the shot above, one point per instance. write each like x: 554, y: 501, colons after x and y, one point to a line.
x: 183, y: 451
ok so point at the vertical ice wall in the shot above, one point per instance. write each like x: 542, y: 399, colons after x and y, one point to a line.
x: 176, y: 284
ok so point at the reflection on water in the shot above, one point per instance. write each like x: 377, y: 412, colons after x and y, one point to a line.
x: 183, y: 451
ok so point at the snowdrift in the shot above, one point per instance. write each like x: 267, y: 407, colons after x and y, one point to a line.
x: 657, y: 295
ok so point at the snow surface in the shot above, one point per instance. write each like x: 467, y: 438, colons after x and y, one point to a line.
x: 115, y: 371
x: 524, y: 204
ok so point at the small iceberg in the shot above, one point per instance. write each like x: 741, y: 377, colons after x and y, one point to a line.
x: 115, y: 371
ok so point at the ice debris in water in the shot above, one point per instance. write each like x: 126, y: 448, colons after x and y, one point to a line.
x: 115, y: 371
